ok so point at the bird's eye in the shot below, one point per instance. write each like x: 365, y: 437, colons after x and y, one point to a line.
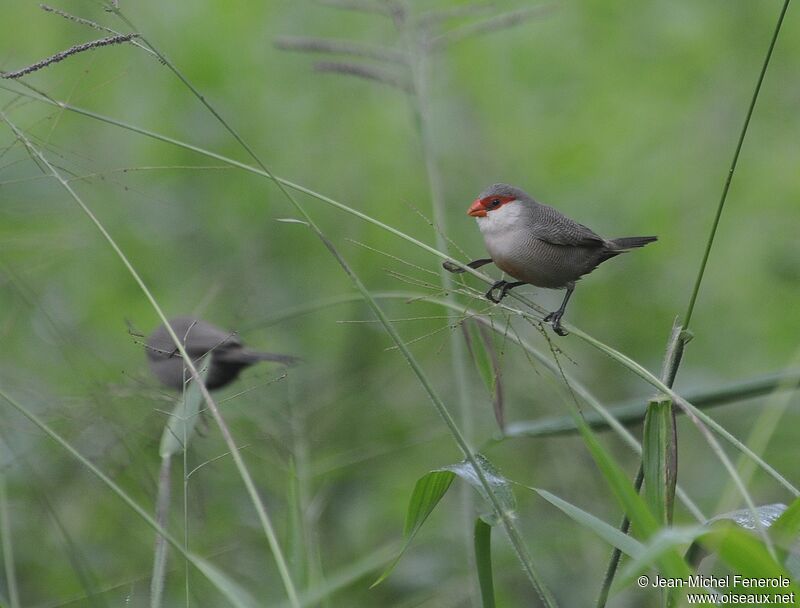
x: 495, y: 202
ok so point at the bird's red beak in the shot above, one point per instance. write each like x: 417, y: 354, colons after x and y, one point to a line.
x: 477, y: 209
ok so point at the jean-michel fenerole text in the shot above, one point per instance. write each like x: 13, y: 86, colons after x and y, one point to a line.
x: 721, y: 582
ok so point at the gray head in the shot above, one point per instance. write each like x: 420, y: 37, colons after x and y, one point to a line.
x: 504, y: 191
x: 497, y: 196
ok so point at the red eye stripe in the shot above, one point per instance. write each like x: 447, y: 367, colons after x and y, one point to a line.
x: 495, y: 202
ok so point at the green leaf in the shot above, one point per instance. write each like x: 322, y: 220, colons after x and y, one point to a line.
x: 744, y: 518
x: 428, y: 491
x: 745, y: 554
x: 607, y: 532
x: 499, y: 484
x: 180, y: 424
x: 786, y: 528
x: 660, y: 458
x: 483, y: 561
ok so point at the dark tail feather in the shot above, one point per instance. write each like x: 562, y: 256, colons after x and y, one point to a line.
x: 632, y: 242
x: 278, y: 358
x: 251, y: 356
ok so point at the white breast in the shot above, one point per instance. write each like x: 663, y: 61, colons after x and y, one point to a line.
x: 500, y: 222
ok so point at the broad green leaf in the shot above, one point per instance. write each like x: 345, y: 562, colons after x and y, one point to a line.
x: 660, y: 458
x: 428, y: 491
x: 607, y: 532
x: 180, y: 424
x: 483, y: 561
x: 787, y: 525
x: 498, y: 483
x: 786, y: 530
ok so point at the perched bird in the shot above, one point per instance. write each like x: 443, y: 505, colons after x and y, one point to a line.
x: 228, y: 355
x: 537, y: 245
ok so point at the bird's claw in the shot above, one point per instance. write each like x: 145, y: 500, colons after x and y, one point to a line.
x: 554, y: 318
x: 451, y: 267
x: 490, y: 293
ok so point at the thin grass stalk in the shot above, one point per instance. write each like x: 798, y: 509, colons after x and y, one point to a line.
x: 734, y: 161
x: 264, y: 518
x: 8, y: 545
x: 108, y: 482
x: 304, y: 533
x: 185, y: 491
x: 83, y: 571
x: 160, y: 552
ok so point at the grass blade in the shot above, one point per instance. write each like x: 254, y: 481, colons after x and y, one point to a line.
x: 483, y: 561
x: 607, y: 532
x: 660, y: 459
x: 428, y: 491
x: 786, y: 528
x: 160, y: 552
x: 8, y: 546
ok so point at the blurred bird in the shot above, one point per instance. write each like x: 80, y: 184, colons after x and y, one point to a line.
x: 537, y: 245
x: 228, y: 355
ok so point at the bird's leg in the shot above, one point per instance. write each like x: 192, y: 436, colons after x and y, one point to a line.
x: 450, y: 267
x: 508, y: 287
x: 554, y: 318
x: 490, y: 293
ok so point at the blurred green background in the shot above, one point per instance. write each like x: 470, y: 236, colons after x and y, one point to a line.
x: 624, y: 115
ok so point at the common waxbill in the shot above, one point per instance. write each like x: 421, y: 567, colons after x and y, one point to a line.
x: 228, y: 354
x: 537, y: 245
